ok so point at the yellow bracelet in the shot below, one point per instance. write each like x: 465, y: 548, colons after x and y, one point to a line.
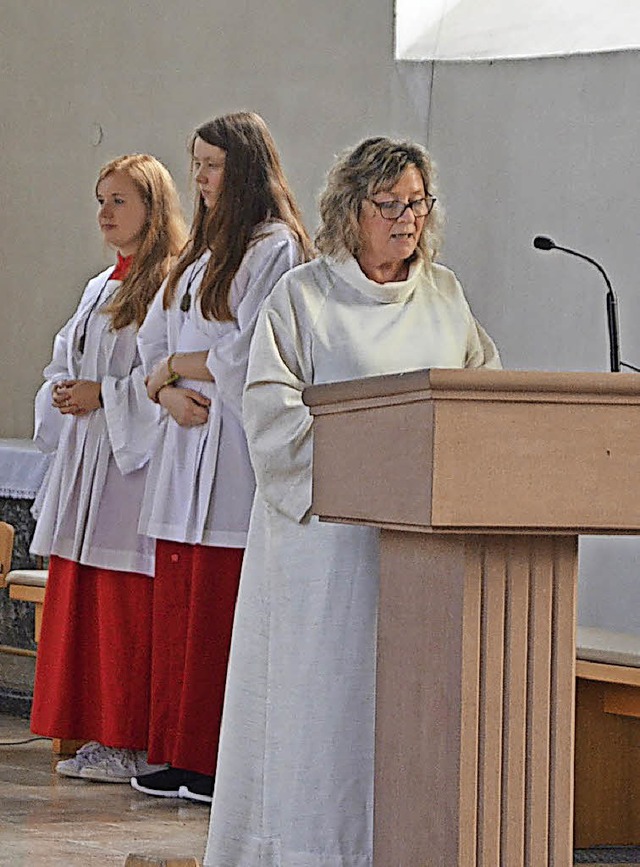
x: 170, y: 380
x: 172, y: 374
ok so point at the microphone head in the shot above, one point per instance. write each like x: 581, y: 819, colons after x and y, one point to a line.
x: 541, y: 242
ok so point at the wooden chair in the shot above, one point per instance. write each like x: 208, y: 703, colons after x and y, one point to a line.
x: 607, y: 763
x: 28, y: 585
x: 6, y: 550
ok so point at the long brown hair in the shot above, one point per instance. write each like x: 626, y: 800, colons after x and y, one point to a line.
x: 254, y: 190
x: 163, y: 237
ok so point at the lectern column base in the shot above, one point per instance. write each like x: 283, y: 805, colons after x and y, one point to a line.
x: 475, y: 698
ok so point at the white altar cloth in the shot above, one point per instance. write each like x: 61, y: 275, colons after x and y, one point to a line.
x: 22, y: 468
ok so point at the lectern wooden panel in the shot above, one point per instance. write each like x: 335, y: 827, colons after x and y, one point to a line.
x: 481, y: 482
x: 480, y: 450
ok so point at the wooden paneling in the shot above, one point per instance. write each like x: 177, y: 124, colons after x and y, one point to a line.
x: 606, y: 672
x: 497, y: 450
x: 515, y: 701
x: 490, y: 729
x: 473, y: 702
x: 622, y: 700
x: 607, y: 772
x: 373, y: 450
x: 508, y: 464
x: 563, y: 679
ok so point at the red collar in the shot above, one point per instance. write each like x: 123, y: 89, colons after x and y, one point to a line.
x: 123, y: 265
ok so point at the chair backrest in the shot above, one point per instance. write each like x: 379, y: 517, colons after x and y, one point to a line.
x: 6, y: 550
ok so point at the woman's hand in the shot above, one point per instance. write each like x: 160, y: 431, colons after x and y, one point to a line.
x: 157, y: 378
x: 187, y: 407
x: 76, y: 396
x: 179, y: 365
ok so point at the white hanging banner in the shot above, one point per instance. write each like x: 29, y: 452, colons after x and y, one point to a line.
x: 493, y: 29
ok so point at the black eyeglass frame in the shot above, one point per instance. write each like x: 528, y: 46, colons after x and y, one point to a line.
x: 429, y: 199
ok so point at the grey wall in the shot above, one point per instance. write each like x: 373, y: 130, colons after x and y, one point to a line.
x: 543, y: 147
x: 549, y: 147
x: 322, y: 75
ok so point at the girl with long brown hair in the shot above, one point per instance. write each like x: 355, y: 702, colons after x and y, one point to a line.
x: 93, y: 668
x: 246, y: 233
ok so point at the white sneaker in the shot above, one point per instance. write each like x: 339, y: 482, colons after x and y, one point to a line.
x: 112, y: 766
x: 72, y: 767
x: 117, y: 766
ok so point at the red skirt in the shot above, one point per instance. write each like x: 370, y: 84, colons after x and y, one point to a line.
x: 194, y: 596
x: 94, y: 656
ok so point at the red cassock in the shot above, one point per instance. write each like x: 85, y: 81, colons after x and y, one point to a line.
x: 195, y: 590
x: 94, y: 656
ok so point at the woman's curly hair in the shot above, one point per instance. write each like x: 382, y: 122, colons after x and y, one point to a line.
x: 360, y: 172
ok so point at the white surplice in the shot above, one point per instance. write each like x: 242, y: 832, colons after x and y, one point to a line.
x: 294, y: 783
x: 200, y: 483
x: 90, y: 502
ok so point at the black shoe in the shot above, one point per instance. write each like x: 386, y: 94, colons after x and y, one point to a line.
x: 164, y: 784
x: 197, y: 787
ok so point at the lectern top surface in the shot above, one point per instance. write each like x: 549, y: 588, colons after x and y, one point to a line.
x: 440, y: 382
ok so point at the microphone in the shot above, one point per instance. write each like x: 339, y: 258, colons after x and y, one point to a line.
x: 541, y: 242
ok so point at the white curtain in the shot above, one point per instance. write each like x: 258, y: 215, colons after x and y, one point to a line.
x: 486, y: 29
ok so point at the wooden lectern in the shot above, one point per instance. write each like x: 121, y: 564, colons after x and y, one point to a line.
x: 481, y: 482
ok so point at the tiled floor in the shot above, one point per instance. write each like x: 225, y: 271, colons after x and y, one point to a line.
x: 49, y: 820
x: 46, y: 819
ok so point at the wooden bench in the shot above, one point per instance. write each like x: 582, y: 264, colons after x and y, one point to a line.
x: 607, y: 764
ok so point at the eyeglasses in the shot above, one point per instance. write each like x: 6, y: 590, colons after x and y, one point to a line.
x: 394, y: 210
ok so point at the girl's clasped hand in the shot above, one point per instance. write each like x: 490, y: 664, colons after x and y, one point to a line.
x: 76, y: 396
x: 187, y: 407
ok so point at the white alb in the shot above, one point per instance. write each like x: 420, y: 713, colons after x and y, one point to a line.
x: 89, y: 504
x: 200, y: 483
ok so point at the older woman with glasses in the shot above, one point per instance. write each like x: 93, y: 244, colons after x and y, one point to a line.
x: 294, y: 781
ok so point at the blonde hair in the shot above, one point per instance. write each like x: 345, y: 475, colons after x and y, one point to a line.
x: 254, y: 190
x: 163, y: 237
x: 374, y: 165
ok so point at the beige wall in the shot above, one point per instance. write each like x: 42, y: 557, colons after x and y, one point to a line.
x: 322, y: 74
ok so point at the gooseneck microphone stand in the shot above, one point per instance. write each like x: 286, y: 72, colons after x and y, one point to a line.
x: 541, y: 242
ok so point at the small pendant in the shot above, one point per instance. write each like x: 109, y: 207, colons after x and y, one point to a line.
x: 185, y: 302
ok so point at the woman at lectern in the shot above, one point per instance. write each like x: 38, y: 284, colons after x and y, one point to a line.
x: 294, y: 782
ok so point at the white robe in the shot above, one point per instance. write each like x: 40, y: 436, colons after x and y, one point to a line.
x: 200, y: 483
x: 294, y: 783
x: 89, y: 507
